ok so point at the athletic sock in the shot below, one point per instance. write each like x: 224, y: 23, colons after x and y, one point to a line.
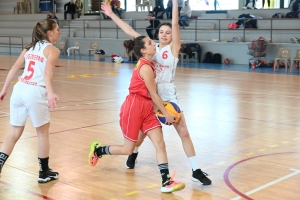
x: 44, y: 164
x: 164, y: 172
x: 193, y: 161
x: 136, y: 150
x: 102, y: 151
x: 3, y: 158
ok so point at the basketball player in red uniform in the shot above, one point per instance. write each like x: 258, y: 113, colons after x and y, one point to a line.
x: 165, y: 60
x: 137, y: 113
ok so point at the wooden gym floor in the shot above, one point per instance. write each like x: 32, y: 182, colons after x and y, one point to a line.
x: 245, y: 128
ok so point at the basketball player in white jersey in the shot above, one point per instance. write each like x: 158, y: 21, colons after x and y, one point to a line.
x: 165, y: 61
x: 33, y: 94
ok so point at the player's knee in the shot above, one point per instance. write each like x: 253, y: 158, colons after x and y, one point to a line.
x: 160, y: 144
x: 184, y: 133
x: 127, y: 151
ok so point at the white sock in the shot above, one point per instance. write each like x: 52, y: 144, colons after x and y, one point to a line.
x: 135, y: 150
x: 193, y: 161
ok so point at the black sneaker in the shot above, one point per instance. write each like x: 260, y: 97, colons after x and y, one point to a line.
x: 47, y: 176
x: 198, y: 175
x: 131, y: 160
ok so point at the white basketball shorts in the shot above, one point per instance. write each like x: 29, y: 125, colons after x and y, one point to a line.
x: 167, y: 92
x: 29, y: 101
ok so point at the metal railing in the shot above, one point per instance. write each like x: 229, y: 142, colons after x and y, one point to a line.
x: 9, y: 41
x: 196, y: 27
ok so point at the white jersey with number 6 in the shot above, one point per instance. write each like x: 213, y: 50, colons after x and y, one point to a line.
x: 165, y: 63
x: 35, y: 63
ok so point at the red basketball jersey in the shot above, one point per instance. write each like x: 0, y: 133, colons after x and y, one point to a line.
x: 137, y: 84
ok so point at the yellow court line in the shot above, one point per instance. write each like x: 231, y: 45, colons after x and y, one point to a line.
x: 236, y: 158
x: 285, y: 142
x: 261, y: 149
x: 275, y: 145
x: 151, y: 186
x: 296, y: 139
x: 112, y: 73
x: 221, y: 163
x: 249, y: 154
x: 131, y: 193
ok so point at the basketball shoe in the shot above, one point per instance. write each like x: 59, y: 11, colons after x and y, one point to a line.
x: 45, y: 177
x: 131, y: 160
x: 92, y: 157
x: 171, y: 185
x: 199, y: 176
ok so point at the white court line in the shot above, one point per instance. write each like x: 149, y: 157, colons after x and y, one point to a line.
x: 269, y: 184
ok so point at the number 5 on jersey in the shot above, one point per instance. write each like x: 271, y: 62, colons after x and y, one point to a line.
x: 30, y: 70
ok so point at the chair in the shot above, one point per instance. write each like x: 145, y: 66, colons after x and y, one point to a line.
x: 93, y: 47
x: 283, y: 54
x: 139, y: 4
x: 296, y: 58
x: 181, y: 57
x: 27, y: 6
x: 22, y: 6
x: 73, y: 51
x: 146, y: 3
x: 17, y: 8
x: 61, y: 45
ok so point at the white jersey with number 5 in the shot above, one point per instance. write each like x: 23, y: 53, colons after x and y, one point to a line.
x: 35, y: 63
x: 165, y: 64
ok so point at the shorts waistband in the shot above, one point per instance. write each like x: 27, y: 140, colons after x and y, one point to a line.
x: 29, y: 82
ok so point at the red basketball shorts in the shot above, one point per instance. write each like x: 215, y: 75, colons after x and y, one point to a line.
x: 137, y: 114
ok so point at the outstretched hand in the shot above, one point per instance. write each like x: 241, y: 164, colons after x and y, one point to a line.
x: 106, y: 9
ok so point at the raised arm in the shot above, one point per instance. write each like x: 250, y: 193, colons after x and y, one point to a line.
x: 175, y: 29
x: 106, y: 9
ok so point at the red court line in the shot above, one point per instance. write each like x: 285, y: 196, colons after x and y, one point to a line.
x: 73, y: 129
x: 268, y: 121
x: 227, y: 171
x: 70, y: 129
x: 27, y: 191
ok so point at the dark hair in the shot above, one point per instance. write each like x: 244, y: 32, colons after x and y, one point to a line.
x: 40, y: 32
x: 164, y: 24
x: 135, y: 45
x: 151, y: 12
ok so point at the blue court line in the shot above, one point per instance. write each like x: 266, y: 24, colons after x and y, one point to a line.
x: 193, y: 64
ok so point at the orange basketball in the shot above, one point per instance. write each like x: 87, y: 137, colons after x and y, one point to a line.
x: 226, y: 60
x: 172, y: 108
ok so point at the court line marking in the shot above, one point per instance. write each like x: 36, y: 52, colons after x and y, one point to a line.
x: 99, y: 85
x: 151, y: 186
x: 131, y: 193
x: 270, y: 183
x: 227, y: 171
x: 26, y: 190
